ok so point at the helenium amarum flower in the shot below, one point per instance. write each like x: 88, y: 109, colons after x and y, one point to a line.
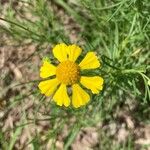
x: 67, y: 75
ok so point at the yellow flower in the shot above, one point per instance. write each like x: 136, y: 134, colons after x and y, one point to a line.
x: 66, y: 75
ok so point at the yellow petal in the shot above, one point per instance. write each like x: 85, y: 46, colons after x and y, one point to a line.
x: 79, y: 96
x: 95, y: 84
x: 90, y: 61
x: 61, y: 97
x: 60, y: 52
x: 47, y: 70
x: 73, y: 52
x: 48, y: 87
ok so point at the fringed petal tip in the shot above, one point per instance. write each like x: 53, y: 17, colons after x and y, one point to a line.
x: 47, y: 69
x: 90, y: 61
x: 61, y: 97
x: 95, y: 84
x: 79, y: 96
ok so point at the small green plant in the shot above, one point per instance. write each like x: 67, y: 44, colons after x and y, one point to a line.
x: 118, y: 31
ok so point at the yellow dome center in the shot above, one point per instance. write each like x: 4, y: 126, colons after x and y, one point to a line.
x: 68, y: 72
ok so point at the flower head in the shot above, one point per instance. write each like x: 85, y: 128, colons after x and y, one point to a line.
x: 67, y: 74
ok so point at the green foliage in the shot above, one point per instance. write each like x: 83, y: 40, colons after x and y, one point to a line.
x: 117, y: 30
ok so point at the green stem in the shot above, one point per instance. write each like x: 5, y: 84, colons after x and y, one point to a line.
x: 20, y: 26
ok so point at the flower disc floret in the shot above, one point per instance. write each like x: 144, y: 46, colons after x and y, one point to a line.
x: 68, y: 72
